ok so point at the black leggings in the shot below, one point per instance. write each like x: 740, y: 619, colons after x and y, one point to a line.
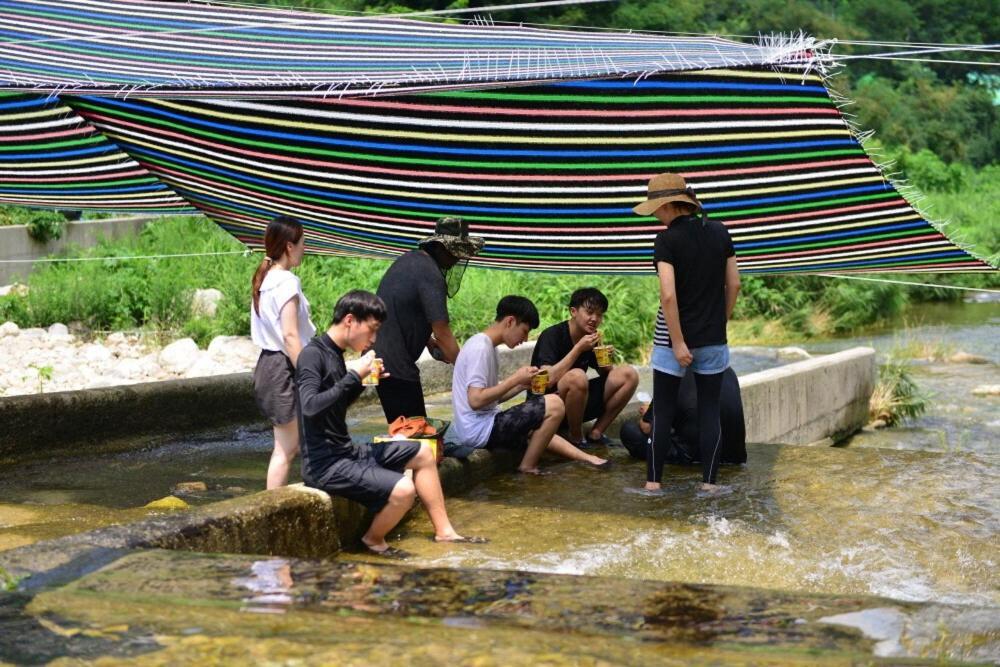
x: 665, y: 388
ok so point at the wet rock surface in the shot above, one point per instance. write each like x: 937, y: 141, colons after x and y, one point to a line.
x: 374, y: 611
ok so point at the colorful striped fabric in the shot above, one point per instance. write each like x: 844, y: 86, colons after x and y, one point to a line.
x: 50, y: 156
x: 547, y: 173
x: 162, y: 49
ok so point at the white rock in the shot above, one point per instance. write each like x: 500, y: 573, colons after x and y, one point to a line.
x: 178, y: 356
x: 15, y: 289
x: 205, y: 302
x: 238, y: 349
x: 95, y: 354
x: 33, y: 332
x: 116, y: 338
x: 202, y: 366
x: 58, y: 329
x: 129, y: 369
x: 9, y: 329
x: 99, y: 381
x: 793, y: 354
x: 987, y: 390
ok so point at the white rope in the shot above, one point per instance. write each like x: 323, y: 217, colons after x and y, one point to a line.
x: 977, y: 63
x: 311, y: 21
x: 907, y: 282
x: 913, y: 52
x: 245, y: 253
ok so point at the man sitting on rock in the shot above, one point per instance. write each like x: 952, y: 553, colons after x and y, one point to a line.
x: 566, y: 349
x: 369, y: 474
x: 477, y: 392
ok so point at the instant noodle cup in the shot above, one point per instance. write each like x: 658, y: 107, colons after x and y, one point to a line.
x: 603, y: 354
x: 540, y: 382
x: 371, y: 380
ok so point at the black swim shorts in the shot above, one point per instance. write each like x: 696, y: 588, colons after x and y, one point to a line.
x: 512, y: 427
x: 274, y: 387
x: 372, y: 474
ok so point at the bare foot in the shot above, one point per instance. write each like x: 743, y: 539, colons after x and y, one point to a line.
x: 533, y: 471
x: 710, y: 490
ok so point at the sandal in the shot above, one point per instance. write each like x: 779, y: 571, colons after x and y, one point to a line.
x: 465, y: 539
x: 603, y: 441
x: 392, y: 553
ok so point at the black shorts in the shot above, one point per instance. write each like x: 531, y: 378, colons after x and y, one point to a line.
x: 274, y: 387
x: 370, y: 477
x: 595, y: 398
x: 401, y: 397
x: 512, y: 427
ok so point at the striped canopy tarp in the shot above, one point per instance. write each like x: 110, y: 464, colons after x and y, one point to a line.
x: 543, y: 140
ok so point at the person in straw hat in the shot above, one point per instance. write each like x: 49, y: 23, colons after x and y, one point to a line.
x: 699, y: 280
x: 415, y: 289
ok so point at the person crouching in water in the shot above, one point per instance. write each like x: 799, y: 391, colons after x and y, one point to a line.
x: 567, y: 349
x: 477, y: 391
x: 280, y: 326
x: 695, y: 261
x: 369, y: 474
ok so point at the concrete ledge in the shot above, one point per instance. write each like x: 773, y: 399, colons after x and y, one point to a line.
x: 38, y: 425
x: 15, y: 243
x: 293, y: 521
x: 801, y: 403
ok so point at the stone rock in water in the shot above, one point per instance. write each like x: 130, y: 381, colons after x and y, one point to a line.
x: 966, y: 358
x: 205, y: 302
x: 58, y: 329
x: 167, y: 503
x: 9, y: 329
x: 793, y: 354
x: 189, y: 487
x: 987, y: 390
x: 179, y: 355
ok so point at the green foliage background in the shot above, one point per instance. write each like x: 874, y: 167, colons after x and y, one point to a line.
x: 939, y: 123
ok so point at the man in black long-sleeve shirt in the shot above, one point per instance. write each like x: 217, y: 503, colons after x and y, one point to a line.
x: 371, y: 475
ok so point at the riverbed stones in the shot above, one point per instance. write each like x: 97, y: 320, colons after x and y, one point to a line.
x: 793, y: 354
x: 205, y: 302
x: 9, y: 329
x: 179, y: 355
x: 987, y: 390
x: 966, y: 358
x: 58, y: 329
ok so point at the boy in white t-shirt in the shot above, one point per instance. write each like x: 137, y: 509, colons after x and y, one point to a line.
x: 477, y: 393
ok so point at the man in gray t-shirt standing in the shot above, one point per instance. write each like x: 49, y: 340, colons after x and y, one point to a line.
x: 415, y: 290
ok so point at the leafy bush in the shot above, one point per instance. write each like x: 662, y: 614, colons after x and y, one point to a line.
x: 896, y: 397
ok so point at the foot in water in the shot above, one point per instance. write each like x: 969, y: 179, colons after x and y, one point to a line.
x: 655, y: 492
x: 713, y: 490
x: 386, y: 551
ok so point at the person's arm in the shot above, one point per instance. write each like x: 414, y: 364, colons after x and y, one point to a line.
x: 480, y: 397
x: 668, y: 300
x: 445, y: 341
x: 309, y: 378
x: 732, y: 286
x: 560, y: 368
x: 290, y: 329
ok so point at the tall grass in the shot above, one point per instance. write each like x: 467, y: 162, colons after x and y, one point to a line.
x: 896, y: 397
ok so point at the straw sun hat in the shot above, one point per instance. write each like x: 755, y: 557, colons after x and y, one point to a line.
x: 665, y: 188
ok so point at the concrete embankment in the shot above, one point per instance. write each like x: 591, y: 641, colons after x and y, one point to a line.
x: 17, y: 245
x: 125, y: 417
x: 804, y: 402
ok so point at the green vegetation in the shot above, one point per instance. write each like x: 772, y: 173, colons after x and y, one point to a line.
x: 42, y: 225
x: 896, y: 397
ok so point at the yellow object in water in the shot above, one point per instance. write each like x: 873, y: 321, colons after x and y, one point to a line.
x: 167, y: 503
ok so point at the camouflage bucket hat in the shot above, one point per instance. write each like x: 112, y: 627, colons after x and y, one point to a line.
x: 453, y: 234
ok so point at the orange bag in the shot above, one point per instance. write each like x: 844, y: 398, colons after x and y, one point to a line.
x: 411, y: 427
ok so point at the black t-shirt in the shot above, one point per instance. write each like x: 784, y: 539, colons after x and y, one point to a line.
x: 326, y: 389
x: 555, y: 343
x: 698, y: 254
x: 415, y: 294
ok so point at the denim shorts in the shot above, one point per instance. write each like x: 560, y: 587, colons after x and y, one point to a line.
x: 708, y: 360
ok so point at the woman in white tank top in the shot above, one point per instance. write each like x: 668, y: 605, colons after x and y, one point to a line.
x: 280, y: 326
